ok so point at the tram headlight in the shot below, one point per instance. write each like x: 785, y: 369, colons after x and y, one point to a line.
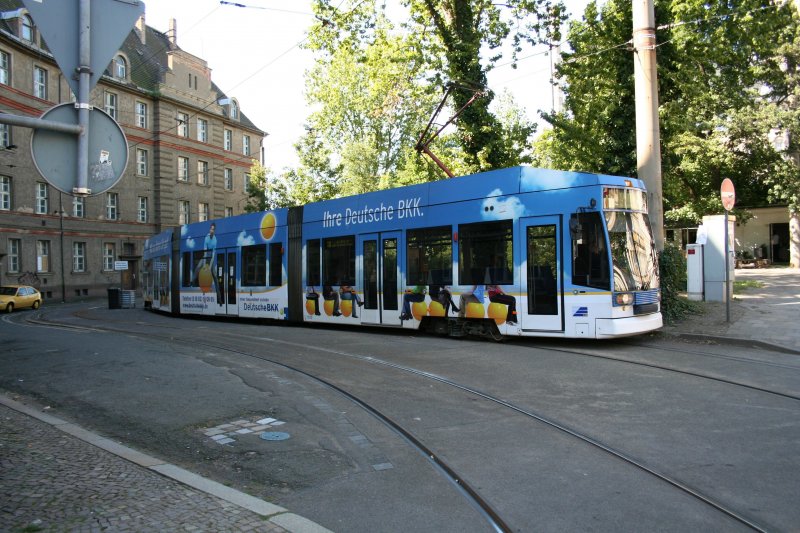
x: 623, y: 298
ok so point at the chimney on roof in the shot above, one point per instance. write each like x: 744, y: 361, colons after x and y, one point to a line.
x: 141, y: 29
x: 173, y: 32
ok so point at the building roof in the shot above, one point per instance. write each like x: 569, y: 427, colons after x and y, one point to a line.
x: 148, y: 61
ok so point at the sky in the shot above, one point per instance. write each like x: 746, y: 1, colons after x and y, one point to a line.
x: 255, y: 56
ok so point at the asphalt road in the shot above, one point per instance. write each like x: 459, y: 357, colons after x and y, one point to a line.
x: 551, y: 435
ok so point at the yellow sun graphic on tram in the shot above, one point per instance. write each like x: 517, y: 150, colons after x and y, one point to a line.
x: 268, y: 226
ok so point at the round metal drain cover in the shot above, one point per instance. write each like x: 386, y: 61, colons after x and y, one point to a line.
x: 274, y: 435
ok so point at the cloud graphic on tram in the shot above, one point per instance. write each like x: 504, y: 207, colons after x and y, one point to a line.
x: 190, y: 243
x: 245, y: 240
x: 495, y: 207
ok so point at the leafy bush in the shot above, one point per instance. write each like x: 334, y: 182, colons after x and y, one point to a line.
x: 672, y: 269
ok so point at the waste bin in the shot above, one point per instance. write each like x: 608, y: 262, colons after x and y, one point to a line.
x: 114, y: 299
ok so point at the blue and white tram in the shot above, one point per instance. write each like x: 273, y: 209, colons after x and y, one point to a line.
x: 518, y: 251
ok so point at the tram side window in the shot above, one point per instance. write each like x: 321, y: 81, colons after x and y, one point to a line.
x: 339, y: 261
x: 589, y: 251
x: 313, y: 277
x: 254, y: 265
x: 486, y: 253
x: 186, y: 270
x: 429, y: 254
x: 275, y: 264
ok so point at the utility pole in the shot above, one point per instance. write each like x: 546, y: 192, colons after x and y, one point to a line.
x: 648, y: 139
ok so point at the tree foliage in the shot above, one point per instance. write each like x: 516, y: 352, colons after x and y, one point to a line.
x: 721, y: 70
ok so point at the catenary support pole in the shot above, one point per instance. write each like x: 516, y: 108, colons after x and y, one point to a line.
x: 648, y: 140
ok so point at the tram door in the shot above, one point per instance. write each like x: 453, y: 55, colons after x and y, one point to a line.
x: 379, y: 277
x: 225, y: 283
x: 541, y: 274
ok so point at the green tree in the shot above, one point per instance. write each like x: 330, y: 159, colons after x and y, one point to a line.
x: 719, y: 68
x: 456, y: 32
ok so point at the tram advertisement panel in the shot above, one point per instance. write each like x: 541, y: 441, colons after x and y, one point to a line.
x: 235, y: 266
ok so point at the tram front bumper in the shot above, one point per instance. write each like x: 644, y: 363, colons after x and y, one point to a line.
x: 607, y: 328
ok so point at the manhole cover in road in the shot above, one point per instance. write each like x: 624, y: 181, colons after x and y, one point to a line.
x: 274, y: 435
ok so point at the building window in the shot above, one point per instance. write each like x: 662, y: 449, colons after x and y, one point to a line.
x: 141, y: 162
x: 79, y: 207
x: 228, y: 179
x: 246, y: 183
x: 120, y: 67
x: 5, y: 193
x: 202, y: 130
x: 27, y: 28
x: 183, y: 168
x: 228, y: 212
x: 246, y: 144
x: 40, y: 83
x: 141, y: 215
x: 202, y: 172
x: 183, y: 124
x: 5, y: 136
x: 42, y: 204
x: 109, y: 254
x: 5, y: 68
x: 111, y: 104
x: 42, y: 256
x: 202, y: 212
x: 112, y: 205
x: 183, y: 212
x: 234, y: 110
x: 79, y: 257
x: 141, y: 114
x: 228, y: 140
x: 14, y: 247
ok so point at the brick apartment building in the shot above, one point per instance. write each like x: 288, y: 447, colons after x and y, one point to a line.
x: 190, y: 149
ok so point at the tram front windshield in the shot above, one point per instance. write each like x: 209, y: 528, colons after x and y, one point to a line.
x: 632, y: 251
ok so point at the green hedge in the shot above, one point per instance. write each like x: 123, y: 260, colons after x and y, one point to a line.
x: 672, y: 269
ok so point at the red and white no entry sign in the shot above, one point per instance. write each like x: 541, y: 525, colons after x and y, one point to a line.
x: 728, y: 194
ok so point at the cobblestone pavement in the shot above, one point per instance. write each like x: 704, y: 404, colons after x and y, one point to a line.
x: 52, y: 481
x: 768, y: 314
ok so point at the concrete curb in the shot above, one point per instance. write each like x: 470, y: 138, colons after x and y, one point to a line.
x: 275, y: 514
x: 732, y: 341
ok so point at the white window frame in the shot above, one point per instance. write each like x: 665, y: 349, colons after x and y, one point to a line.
x: 5, y: 68
x: 79, y: 257
x: 183, y: 124
x: 141, y: 214
x: 183, y: 168
x: 42, y: 256
x: 202, y: 130
x: 40, y: 83
x: 202, y: 212
x: 184, y: 213
x: 141, y: 115
x: 109, y: 255
x: 246, y: 144
x: 120, y: 67
x: 14, y: 252
x: 112, y: 206
x: 228, y: 212
x: 228, y: 140
x: 228, y: 181
x: 246, y: 188
x: 42, y: 200
x: 141, y: 162
x: 110, y: 104
x: 27, y: 32
x: 5, y: 136
x: 79, y: 206
x: 202, y: 172
x: 5, y: 193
